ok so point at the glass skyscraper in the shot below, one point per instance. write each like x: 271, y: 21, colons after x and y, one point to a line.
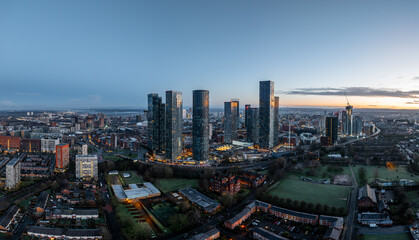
x: 156, y: 123
x: 174, y: 125
x: 266, y: 114
x: 230, y: 121
x: 200, y: 125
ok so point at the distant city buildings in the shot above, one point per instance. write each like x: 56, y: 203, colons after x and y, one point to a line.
x: 266, y: 114
x: 276, y: 121
x: 13, y: 173
x: 62, y: 155
x: 200, y: 125
x: 86, y: 166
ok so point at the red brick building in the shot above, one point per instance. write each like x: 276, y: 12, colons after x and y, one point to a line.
x: 252, y: 179
x: 62, y: 155
x: 30, y: 145
x: 225, y: 184
x: 10, y: 143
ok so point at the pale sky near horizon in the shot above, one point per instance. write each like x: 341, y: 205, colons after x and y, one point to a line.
x: 72, y: 54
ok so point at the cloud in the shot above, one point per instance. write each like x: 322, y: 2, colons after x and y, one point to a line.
x: 415, y: 78
x: 413, y: 102
x: 7, y: 104
x: 355, y: 91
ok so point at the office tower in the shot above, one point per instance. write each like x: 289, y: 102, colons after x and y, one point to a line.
x: 266, y: 114
x: 246, y: 113
x: 253, y: 126
x: 62, y: 155
x: 343, y: 121
x: 173, y: 124
x: 349, y: 120
x: 13, y: 173
x: 86, y: 166
x: 200, y: 125
x: 332, y: 130
x: 276, y: 121
x: 156, y: 123
x: 230, y: 121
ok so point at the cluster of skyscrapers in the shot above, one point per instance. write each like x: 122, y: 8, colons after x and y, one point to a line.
x: 262, y: 124
x: 165, y: 122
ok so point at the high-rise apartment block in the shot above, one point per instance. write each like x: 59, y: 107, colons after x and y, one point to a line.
x: 174, y: 125
x: 266, y: 114
x: 156, y: 122
x: 230, y: 121
x: 48, y: 144
x: 276, y: 121
x: 332, y: 130
x: 13, y: 173
x: 62, y: 155
x: 86, y: 166
x: 200, y: 125
x: 252, y: 127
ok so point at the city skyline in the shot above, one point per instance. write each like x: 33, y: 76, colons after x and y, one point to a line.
x: 57, y: 55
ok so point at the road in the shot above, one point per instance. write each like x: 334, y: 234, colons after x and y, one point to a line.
x: 352, y: 210
x: 27, y: 220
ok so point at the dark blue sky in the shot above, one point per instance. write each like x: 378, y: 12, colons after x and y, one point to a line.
x: 70, y: 54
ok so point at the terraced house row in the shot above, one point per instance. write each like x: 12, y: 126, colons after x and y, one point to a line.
x: 335, y: 224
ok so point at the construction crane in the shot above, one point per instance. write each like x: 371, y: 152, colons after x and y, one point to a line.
x: 347, y: 101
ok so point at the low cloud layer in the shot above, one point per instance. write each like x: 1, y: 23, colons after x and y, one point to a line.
x: 355, y: 91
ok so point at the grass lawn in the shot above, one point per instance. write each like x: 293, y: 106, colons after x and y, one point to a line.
x: 163, y: 212
x: 396, y: 236
x: 386, y: 173
x: 323, y: 173
x: 133, y: 179
x: 294, y: 188
x: 111, y: 157
x: 173, y: 184
x: 414, y: 198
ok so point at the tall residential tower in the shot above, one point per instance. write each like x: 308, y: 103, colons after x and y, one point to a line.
x: 174, y: 126
x: 266, y: 114
x: 200, y: 125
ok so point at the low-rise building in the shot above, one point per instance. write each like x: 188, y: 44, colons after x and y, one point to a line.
x: 294, y: 215
x: 8, y: 217
x: 61, y: 233
x: 263, y: 234
x: 225, y: 184
x: 246, y: 213
x: 368, y: 218
x: 200, y: 200
x: 367, y: 199
x: 210, y: 235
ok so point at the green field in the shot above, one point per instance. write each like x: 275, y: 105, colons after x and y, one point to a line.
x: 321, y: 172
x: 133, y: 179
x: 386, y: 173
x: 111, y: 157
x: 396, y: 236
x: 294, y: 188
x: 414, y: 199
x: 163, y: 212
x: 174, y: 184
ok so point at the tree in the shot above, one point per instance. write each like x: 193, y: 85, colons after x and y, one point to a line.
x: 195, y: 216
x: 333, y: 209
x: 227, y: 200
x: 184, y: 206
x: 325, y: 208
x: 362, y: 173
